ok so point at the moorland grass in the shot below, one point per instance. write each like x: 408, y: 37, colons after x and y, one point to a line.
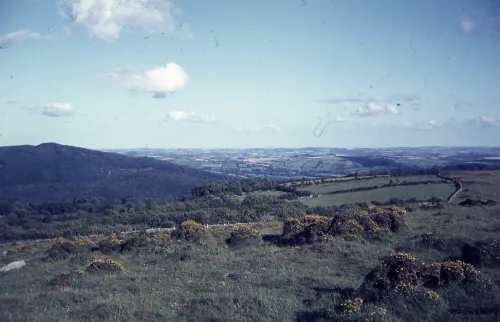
x: 184, y: 279
x: 187, y: 281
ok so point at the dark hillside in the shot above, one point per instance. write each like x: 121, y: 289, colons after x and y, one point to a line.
x: 53, y: 172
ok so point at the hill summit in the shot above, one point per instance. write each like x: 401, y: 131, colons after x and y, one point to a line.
x: 54, y: 172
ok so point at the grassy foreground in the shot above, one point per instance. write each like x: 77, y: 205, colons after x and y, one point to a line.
x: 213, y: 281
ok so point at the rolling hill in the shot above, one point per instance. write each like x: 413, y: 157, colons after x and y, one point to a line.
x: 53, y: 172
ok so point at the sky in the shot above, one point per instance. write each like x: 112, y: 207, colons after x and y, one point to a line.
x: 106, y: 74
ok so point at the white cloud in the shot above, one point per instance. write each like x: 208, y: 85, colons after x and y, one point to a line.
x: 271, y: 127
x: 190, y: 117
x: 487, y: 121
x: 429, y: 125
x: 338, y: 119
x: 253, y: 128
x: 375, y: 108
x: 467, y: 25
x: 434, y: 123
x: 53, y: 109
x: 19, y: 37
x: 106, y: 19
x: 160, y: 80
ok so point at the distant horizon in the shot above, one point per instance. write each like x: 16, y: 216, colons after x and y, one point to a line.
x: 263, y: 148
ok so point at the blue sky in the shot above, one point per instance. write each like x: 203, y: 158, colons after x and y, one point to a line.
x: 260, y: 73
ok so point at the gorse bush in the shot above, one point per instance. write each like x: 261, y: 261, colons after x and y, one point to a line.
x: 389, y: 218
x: 190, y: 231
x: 404, y: 275
x: 63, y: 248
x: 350, y: 307
x: 433, y: 240
x: 410, y: 289
x: 349, y: 225
x: 354, y: 309
x: 306, y: 229
x: 145, y: 241
x: 244, y: 236
x: 112, y: 244
x: 104, y: 265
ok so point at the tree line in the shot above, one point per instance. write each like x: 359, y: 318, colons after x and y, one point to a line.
x: 20, y: 220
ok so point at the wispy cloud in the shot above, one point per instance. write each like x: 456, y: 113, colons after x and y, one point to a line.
x: 20, y: 37
x: 337, y: 119
x: 405, y: 98
x: 424, y: 126
x: 467, y: 25
x: 160, y: 80
x: 189, y: 117
x: 52, y: 109
x: 107, y: 19
x: 375, y: 109
x: 376, y: 106
x: 253, y: 128
x: 161, y: 95
x: 486, y: 121
x: 487, y: 18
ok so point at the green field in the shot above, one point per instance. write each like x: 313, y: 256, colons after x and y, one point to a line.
x: 273, y: 193
x: 339, y: 185
x: 440, y: 190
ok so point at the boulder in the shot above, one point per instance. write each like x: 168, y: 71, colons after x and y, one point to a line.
x: 13, y: 265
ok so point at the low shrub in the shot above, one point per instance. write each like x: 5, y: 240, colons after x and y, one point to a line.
x: 389, y: 218
x: 110, y: 245
x: 354, y: 309
x: 482, y: 253
x: 477, y: 202
x: 190, y: 231
x: 144, y: 241
x: 405, y: 288
x: 244, y: 236
x: 353, y: 306
x: 346, y: 227
x: 404, y: 274
x: 63, y: 248
x: 104, y: 265
x: 306, y: 229
x: 354, y: 223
